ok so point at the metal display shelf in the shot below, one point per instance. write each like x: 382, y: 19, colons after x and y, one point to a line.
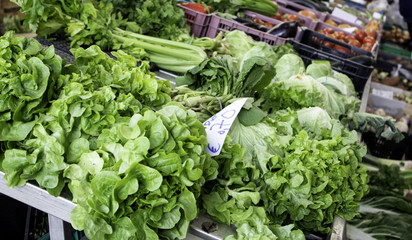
x: 365, y: 95
x: 364, y: 103
x: 57, y: 208
x: 338, y: 230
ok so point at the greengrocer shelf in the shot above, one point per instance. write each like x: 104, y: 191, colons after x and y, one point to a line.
x: 59, y: 209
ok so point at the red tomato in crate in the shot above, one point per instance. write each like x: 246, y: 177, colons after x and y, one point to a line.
x: 360, y: 35
x: 367, y: 48
x: 369, y: 39
x: 354, y: 42
x: 340, y: 48
x: 331, y: 35
x: 328, y: 30
x: 341, y: 35
x: 350, y: 37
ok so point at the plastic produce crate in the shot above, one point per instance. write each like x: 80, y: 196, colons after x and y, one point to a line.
x: 358, y: 73
x: 396, y: 51
x: 218, y: 24
x: 252, y: 15
x: 381, y: 147
x: 281, y: 2
x: 406, y: 63
x: 197, y: 21
x: 385, y: 66
x: 343, y: 21
x: 305, y: 21
x: 363, y: 27
x: 317, y: 40
x: 375, y: 48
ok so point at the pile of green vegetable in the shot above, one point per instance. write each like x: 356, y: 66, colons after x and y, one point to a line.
x: 132, y: 151
x: 133, y: 161
x: 289, y: 165
x: 89, y: 22
x: 265, y: 7
x: 287, y: 173
x: 31, y: 77
x: 384, y: 212
x: 157, y: 18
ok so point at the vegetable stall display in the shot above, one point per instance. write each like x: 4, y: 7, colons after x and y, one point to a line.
x: 131, y: 150
x: 270, y: 181
x: 133, y: 161
x: 135, y: 164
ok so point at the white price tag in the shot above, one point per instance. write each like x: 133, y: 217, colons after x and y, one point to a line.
x: 383, y: 93
x: 218, y: 126
x: 344, y: 15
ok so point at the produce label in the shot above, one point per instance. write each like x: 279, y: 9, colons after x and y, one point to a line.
x: 383, y: 93
x: 344, y: 15
x: 218, y: 126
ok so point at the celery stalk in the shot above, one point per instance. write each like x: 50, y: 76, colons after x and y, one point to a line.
x: 166, y: 54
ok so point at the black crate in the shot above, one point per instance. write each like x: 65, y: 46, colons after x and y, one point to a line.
x: 358, y: 73
x: 318, y: 41
x: 406, y: 63
x: 385, y: 66
x: 383, y: 148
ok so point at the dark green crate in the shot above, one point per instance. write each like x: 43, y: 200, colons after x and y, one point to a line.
x: 387, y: 48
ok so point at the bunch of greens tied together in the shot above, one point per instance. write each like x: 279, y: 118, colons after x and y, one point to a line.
x: 96, y: 22
x: 133, y: 161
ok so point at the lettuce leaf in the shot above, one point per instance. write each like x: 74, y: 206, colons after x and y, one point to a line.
x: 289, y: 65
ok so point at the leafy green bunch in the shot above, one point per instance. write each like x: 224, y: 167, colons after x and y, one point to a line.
x: 265, y: 7
x: 30, y: 78
x: 143, y: 178
x: 235, y: 198
x: 84, y: 22
x: 134, y: 164
x: 122, y: 75
x: 301, y: 91
x: 201, y: 102
x: 294, y: 174
x: 157, y: 18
